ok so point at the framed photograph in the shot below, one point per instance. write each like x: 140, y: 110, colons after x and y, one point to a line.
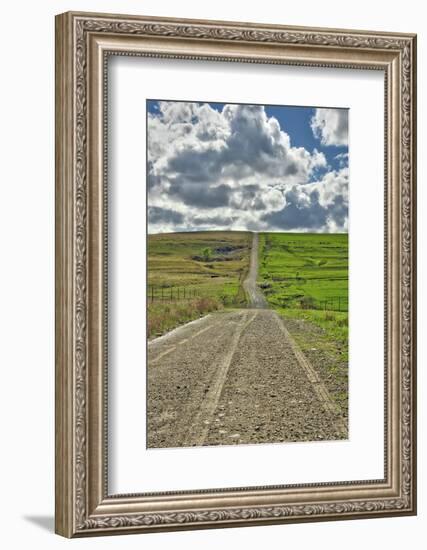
x: 235, y: 274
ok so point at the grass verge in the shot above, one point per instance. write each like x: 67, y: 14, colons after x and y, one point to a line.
x: 333, y: 324
x: 165, y: 317
x: 304, y: 277
x: 323, y: 337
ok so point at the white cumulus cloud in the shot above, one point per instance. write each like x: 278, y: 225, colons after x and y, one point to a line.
x: 236, y: 169
x: 331, y: 126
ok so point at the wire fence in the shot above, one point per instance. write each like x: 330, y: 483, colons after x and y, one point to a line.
x: 159, y: 294
x: 171, y: 294
x: 334, y: 303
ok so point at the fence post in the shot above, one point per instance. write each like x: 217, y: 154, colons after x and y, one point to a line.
x: 152, y: 294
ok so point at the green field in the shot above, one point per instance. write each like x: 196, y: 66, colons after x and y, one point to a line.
x: 305, y: 279
x: 190, y: 274
x: 305, y: 276
x: 304, y: 270
x: 211, y: 263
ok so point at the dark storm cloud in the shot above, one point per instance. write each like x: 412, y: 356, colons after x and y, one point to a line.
x: 199, y: 194
x: 153, y: 181
x: 164, y: 215
x: 197, y: 166
x: 306, y: 211
x: 296, y: 214
x: 213, y: 221
x: 248, y: 197
x: 338, y: 210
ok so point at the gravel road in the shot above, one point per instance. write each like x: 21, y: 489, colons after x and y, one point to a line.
x: 255, y: 295
x: 236, y: 377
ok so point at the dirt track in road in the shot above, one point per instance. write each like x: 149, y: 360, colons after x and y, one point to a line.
x: 236, y: 377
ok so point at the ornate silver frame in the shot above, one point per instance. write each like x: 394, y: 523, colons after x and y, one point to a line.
x: 83, y: 42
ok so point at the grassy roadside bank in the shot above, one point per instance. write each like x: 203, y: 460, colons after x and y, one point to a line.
x: 325, y: 347
x: 165, y: 317
x: 304, y: 277
x: 192, y: 274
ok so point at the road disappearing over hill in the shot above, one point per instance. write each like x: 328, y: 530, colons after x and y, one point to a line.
x: 236, y: 377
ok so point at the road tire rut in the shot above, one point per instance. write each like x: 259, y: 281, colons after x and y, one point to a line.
x: 236, y: 377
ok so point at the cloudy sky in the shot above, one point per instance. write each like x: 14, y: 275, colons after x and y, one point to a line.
x: 217, y: 166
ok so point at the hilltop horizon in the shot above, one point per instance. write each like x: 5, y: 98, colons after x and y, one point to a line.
x: 247, y: 231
